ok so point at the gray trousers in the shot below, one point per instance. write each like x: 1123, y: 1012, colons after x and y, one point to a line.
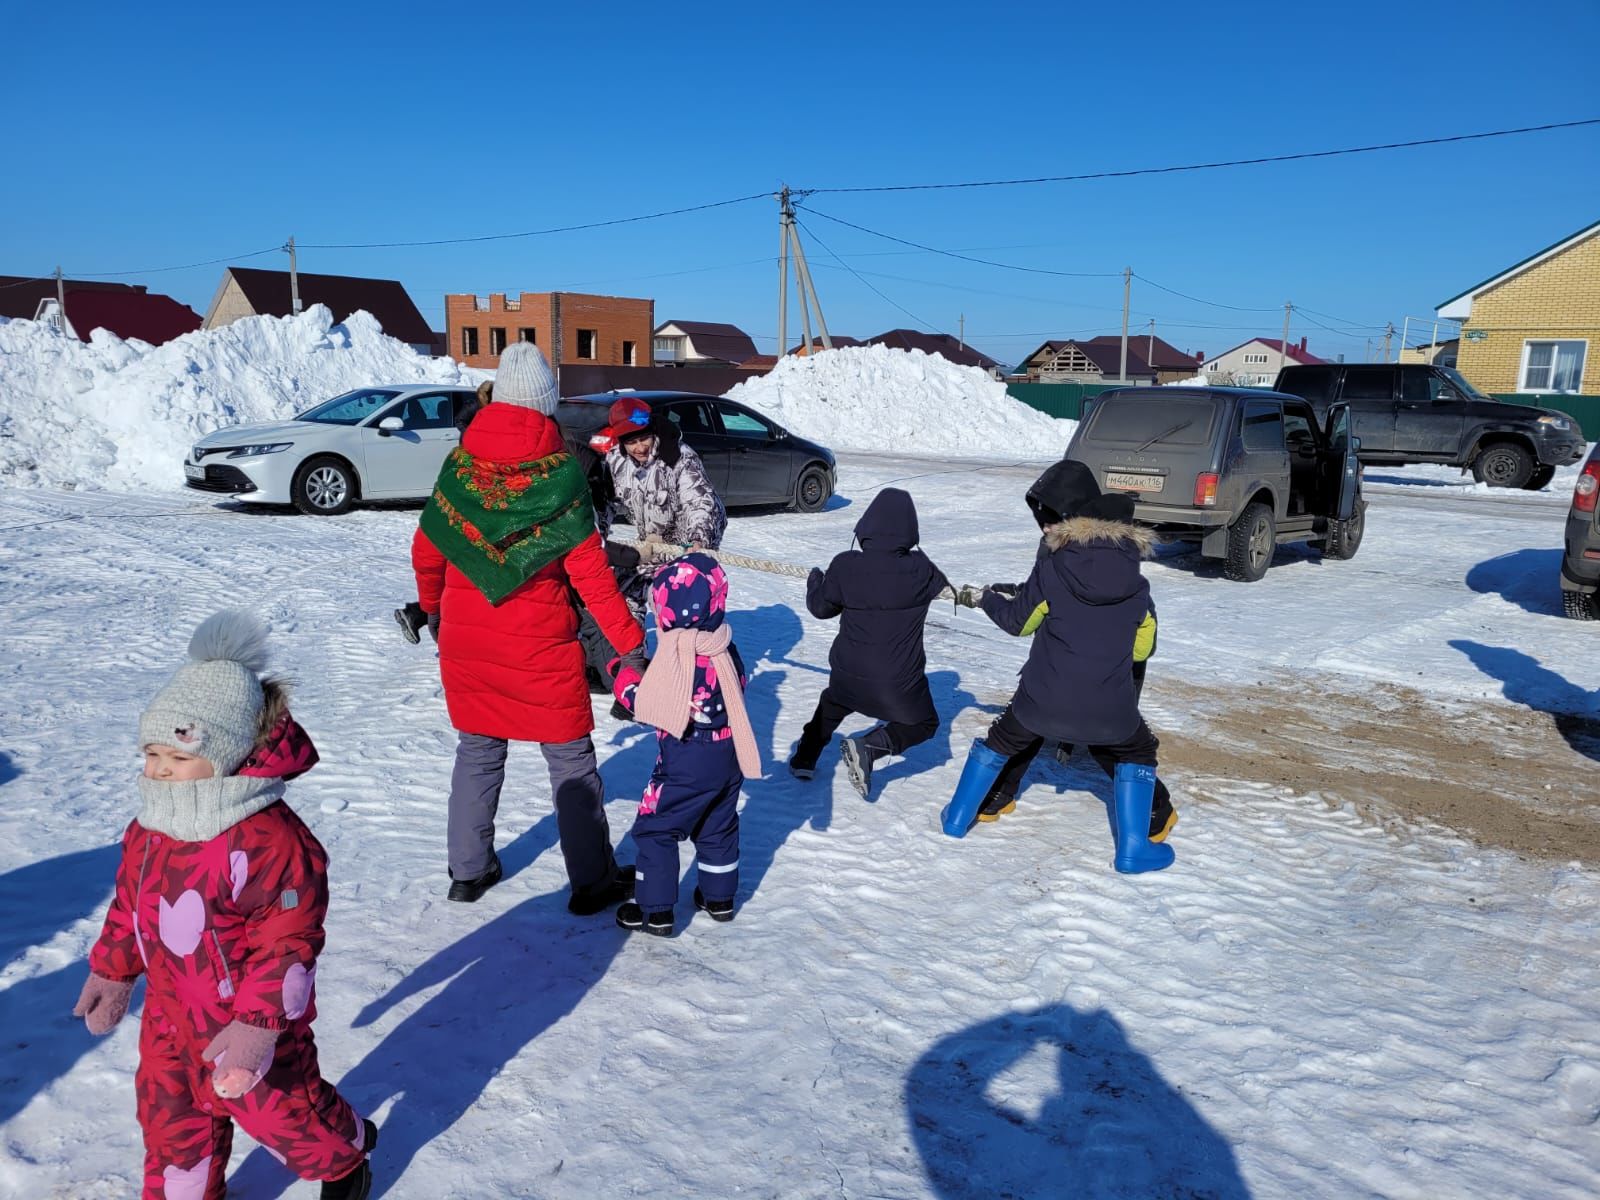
x: 579, y: 800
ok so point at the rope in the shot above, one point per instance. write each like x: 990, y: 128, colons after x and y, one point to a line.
x: 767, y: 565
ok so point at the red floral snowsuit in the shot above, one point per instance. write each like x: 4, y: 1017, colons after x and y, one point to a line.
x: 227, y: 930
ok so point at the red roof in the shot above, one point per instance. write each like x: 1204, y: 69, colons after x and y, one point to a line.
x: 1295, y: 353
x: 152, y: 318
x: 1166, y: 357
x: 942, y: 344
x: 20, y: 295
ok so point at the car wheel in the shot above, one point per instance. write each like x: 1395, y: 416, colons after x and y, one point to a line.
x: 1344, y: 537
x: 1503, y: 464
x: 1540, y: 479
x: 324, y: 487
x: 1580, y: 606
x: 812, y: 491
x: 1252, y: 541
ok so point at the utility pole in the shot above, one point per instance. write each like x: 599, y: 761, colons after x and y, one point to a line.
x: 783, y: 275
x: 294, y: 280
x: 1127, y: 289
x: 1368, y: 358
x: 1150, y: 355
x: 1405, y: 335
x: 1388, y: 335
x: 1433, y: 342
x: 1283, y: 346
x: 961, y: 325
x: 61, y: 300
x: 802, y: 272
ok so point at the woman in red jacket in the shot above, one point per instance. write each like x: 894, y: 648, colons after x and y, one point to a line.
x: 509, y: 529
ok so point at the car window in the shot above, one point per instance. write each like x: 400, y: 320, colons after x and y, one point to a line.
x: 1313, y: 383
x: 1461, y: 385
x: 740, y: 424
x: 1420, y: 387
x: 433, y: 411
x: 352, y: 408
x: 1369, y: 383
x: 1297, y: 430
x: 1261, y: 426
x: 693, y: 417
x: 1157, y: 421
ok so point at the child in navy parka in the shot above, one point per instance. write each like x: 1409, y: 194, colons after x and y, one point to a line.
x: 693, y: 692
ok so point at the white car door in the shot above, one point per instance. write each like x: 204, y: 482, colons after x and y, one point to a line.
x: 403, y: 464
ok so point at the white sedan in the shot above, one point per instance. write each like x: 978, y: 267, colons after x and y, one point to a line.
x: 378, y: 443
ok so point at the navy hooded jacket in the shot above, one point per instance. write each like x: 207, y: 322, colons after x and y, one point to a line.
x: 1077, y: 685
x: 881, y: 593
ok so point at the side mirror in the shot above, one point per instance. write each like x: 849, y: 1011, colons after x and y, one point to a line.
x: 390, y: 425
x: 1447, y: 395
x: 1355, y: 445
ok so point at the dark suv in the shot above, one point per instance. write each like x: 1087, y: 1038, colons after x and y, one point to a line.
x: 1235, y: 470
x: 1580, y: 568
x: 1407, y: 413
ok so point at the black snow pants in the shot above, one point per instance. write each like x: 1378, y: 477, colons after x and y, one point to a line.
x: 896, y: 737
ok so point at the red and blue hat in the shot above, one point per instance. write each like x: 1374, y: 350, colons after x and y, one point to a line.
x: 626, y: 418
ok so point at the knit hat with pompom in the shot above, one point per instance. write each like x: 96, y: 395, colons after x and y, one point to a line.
x: 212, y: 707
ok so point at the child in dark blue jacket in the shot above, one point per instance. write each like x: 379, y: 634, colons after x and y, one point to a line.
x: 881, y: 594
x: 693, y: 693
x: 1077, y: 685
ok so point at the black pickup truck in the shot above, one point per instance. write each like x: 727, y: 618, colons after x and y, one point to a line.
x: 1407, y: 413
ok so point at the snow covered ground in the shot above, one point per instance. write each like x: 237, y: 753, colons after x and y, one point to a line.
x: 1330, y: 995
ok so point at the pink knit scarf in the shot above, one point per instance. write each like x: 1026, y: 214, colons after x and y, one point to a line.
x: 666, y: 693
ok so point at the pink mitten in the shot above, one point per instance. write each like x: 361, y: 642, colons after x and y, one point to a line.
x: 102, y: 1003
x: 240, y: 1056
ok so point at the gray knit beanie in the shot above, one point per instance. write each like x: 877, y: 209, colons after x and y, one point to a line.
x: 212, y: 707
x: 524, y: 379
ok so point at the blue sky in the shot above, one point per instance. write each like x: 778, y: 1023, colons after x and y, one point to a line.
x: 139, y: 141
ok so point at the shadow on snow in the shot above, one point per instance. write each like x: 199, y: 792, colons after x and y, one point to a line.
x: 1525, y: 681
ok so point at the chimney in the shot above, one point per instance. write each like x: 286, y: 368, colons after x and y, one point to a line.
x: 1302, y: 345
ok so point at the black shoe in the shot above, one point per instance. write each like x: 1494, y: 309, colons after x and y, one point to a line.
x: 858, y: 759
x: 619, y: 713
x: 469, y: 891
x: 718, y: 910
x: 590, y: 901
x: 633, y: 918
x: 1162, y: 818
x: 358, y: 1184
x: 412, y: 620
x: 802, y: 770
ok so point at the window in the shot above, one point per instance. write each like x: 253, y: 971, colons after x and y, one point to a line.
x: 469, y: 341
x: 1553, y: 366
x: 740, y: 424
x: 627, y: 354
x: 668, y: 349
x: 691, y: 418
x: 1369, y: 383
x: 1262, y: 427
x: 425, y: 412
x: 1420, y: 387
x: 349, y: 409
x: 1297, y: 429
x: 497, y: 341
x: 528, y: 334
x: 1311, y: 383
x: 1255, y: 360
x: 587, y: 341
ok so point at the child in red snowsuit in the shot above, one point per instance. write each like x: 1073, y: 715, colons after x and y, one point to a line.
x: 219, y: 903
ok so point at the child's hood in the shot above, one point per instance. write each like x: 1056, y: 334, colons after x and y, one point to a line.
x: 690, y: 593
x: 890, y: 522
x: 1098, y: 560
x: 287, y: 753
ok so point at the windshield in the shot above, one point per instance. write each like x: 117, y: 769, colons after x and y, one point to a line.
x: 1142, y: 423
x: 352, y: 408
x: 1460, y: 383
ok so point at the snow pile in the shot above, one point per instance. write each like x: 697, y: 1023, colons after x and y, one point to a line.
x: 121, y: 415
x: 875, y: 398
x: 1200, y: 380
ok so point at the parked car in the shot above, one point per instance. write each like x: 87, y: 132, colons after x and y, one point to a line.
x: 751, y: 459
x: 375, y: 443
x: 1580, y: 567
x: 1405, y: 413
x: 1234, y: 470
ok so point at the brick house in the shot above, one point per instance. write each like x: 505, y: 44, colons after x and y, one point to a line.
x: 1094, y: 361
x: 570, y: 327
x: 253, y: 292
x: 1255, y: 363
x: 1530, y: 328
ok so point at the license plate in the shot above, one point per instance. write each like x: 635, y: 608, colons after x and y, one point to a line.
x: 1134, y: 481
x: 194, y: 470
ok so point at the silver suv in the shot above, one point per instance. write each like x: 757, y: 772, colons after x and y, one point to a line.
x: 1234, y: 470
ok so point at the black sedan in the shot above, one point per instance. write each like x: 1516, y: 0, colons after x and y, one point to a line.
x: 751, y: 460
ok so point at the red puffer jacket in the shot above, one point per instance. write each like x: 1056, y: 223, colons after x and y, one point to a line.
x: 516, y: 670
x: 228, y: 929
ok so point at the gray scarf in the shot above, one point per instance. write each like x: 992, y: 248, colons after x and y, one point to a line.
x: 197, y: 810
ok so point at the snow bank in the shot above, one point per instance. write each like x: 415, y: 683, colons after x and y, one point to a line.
x: 874, y: 398
x: 121, y: 415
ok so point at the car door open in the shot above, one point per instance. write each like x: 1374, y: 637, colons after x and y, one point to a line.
x: 1345, y: 449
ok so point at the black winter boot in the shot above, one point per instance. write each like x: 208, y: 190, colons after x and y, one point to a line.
x: 860, y: 754
x: 470, y: 891
x: 1162, y: 815
x: 717, y: 910
x: 358, y: 1184
x: 589, y: 901
x: 633, y: 918
x: 412, y: 620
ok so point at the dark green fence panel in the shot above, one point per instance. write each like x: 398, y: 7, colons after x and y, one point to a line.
x: 1057, y: 399
x: 1584, y: 409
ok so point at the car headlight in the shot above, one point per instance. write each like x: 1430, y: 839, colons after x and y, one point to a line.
x: 254, y: 451
x: 1561, y: 423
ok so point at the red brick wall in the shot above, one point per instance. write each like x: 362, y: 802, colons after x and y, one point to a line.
x: 615, y: 319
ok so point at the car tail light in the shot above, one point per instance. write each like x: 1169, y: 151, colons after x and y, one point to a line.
x: 602, y: 443
x: 1583, y: 496
x: 1205, y: 490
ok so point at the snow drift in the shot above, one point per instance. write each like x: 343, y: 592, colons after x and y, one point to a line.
x: 878, y: 399
x: 121, y: 415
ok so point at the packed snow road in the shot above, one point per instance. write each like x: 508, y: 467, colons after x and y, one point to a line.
x: 1369, y: 973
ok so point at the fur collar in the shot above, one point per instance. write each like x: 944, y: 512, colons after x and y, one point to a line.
x: 1079, y: 531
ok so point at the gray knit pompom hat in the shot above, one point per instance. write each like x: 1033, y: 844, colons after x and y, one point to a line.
x: 524, y: 379
x: 212, y: 707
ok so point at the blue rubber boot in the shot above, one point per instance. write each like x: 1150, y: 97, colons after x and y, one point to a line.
x: 977, y: 777
x: 1135, y: 792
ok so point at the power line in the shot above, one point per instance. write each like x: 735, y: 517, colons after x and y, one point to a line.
x: 859, y: 277
x: 500, y: 237
x: 1210, y: 166
x: 92, y: 275
x: 1198, y: 300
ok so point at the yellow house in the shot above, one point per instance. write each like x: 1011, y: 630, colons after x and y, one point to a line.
x: 1535, y: 327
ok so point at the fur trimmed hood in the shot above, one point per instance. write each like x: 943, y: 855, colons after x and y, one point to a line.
x: 1080, y: 531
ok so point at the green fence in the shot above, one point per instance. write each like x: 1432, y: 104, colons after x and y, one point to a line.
x: 1584, y: 409
x: 1057, y: 399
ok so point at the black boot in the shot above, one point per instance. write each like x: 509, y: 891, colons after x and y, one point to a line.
x: 358, y: 1184
x: 469, y: 891
x: 591, y: 900
x: 633, y: 918
x: 717, y: 910
x: 412, y: 620
x: 1162, y: 815
x: 860, y: 754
